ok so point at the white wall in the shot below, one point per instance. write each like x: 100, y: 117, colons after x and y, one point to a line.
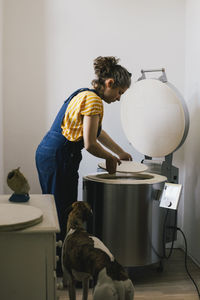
x: 1, y: 97
x: 49, y: 49
x: 25, y: 85
x: 192, y: 145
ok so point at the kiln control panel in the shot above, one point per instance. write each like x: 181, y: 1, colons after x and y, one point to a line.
x: 170, y: 195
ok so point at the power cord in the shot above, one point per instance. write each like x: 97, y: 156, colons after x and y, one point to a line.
x: 165, y: 256
x: 186, y: 256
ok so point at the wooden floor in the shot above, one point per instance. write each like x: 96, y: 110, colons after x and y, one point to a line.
x: 171, y: 284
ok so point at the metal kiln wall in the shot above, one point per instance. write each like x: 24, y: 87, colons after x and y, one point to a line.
x: 127, y: 219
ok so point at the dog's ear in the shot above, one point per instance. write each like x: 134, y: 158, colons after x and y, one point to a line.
x: 87, y: 205
x: 69, y: 209
x: 87, y: 211
x: 75, y: 204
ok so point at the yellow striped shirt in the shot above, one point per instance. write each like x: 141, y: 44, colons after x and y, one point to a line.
x: 85, y: 103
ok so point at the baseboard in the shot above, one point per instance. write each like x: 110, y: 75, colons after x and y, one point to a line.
x: 191, y: 257
x: 179, y: 245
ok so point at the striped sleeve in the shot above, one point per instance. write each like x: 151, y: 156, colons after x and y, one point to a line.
x: 92, y: 105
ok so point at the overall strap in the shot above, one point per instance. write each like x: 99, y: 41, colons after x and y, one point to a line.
x: 56, y: 126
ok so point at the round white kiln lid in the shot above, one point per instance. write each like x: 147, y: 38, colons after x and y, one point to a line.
x: 18, y: 216
x: 154, y: 117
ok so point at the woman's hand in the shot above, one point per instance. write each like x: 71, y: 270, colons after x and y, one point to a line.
x: 106, y: 140
x: 125, y: 156
x: 111, y: 164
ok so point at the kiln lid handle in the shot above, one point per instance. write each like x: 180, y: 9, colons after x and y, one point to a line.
x: 162, y: 78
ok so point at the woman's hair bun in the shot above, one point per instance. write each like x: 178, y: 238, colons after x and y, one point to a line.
x: 108, y: 67
x: 103, y: 66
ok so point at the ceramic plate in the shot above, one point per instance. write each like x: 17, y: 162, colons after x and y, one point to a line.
x: 127, y: 167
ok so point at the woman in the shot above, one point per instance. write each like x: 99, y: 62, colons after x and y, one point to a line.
x: 78, y: 125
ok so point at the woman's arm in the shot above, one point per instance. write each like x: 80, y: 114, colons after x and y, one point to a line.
x: 106, y: 140
x: 90, y: 128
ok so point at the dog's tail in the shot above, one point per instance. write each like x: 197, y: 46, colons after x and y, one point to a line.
x: 116, y: 271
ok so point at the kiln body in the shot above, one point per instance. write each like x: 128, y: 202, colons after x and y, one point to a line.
x: 127, y: 216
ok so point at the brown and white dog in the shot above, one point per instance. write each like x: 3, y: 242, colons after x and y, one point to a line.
x: 85, y: 257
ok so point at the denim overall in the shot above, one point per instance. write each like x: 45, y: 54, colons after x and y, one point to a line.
x: 57, y: 161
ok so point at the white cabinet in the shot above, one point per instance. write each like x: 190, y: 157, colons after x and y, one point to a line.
x: 28, y: 256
